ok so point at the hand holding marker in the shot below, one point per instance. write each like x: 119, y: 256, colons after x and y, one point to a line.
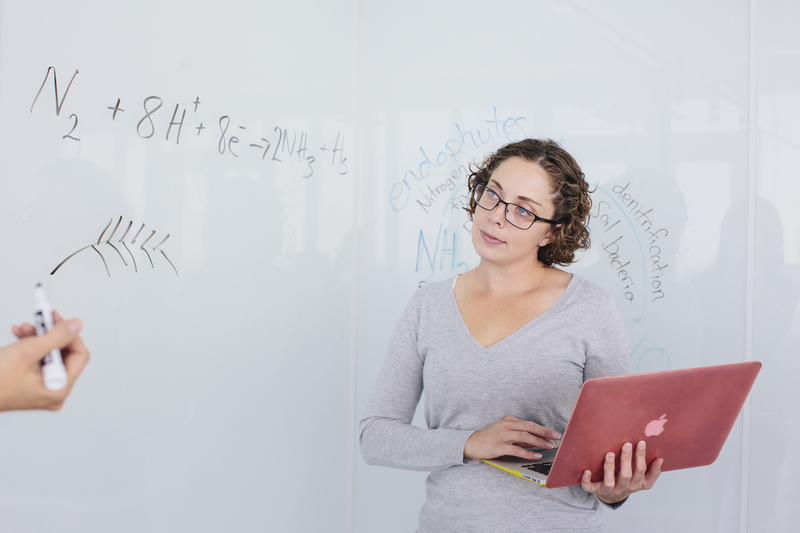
x: 55, y: 375
x: 21, y: 363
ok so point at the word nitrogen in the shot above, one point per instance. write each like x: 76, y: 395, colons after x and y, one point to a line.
x: 430, y: 194
x: 281, y: 145
x: 504, y: 131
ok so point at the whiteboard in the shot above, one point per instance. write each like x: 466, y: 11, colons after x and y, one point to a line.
x: 222, y: 363
x: 307, y: 161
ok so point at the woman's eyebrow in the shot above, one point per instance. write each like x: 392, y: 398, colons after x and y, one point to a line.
x: 526, y: 199
x: 523, y: 198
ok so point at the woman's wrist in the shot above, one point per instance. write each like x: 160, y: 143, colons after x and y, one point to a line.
x: 612, y: 503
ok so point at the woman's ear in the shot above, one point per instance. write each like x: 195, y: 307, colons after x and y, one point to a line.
x: 548, y: 238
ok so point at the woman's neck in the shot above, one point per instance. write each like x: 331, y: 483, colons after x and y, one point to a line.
x: 502, y: 279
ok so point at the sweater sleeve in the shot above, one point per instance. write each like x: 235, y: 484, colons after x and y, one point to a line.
x: 387, y: 436
x: 607, y: 355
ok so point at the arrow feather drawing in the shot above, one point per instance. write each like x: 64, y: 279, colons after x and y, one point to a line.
x: 95, y: 247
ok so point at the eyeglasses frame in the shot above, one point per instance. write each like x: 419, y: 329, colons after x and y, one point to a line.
x: 536, y: 218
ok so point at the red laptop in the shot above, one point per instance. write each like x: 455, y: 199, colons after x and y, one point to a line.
x: 684, y: 416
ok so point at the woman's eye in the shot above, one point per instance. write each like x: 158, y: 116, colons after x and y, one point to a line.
x: 492, y: 194
x: 521, y: 211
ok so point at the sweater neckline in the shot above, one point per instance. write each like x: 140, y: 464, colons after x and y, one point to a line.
x: 486, y: 350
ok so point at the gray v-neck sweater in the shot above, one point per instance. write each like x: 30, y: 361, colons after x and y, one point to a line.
x: 534, y: 374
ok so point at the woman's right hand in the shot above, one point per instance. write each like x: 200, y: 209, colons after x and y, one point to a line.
x: 509, y: 436
x: 21, y: 382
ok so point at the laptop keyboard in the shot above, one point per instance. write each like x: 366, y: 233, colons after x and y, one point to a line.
x: 541, y: 468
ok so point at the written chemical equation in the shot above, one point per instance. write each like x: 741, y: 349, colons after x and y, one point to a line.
x: 151, y: 118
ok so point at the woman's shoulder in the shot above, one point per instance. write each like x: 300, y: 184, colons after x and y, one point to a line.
x: 433, y: 292
x: 430, y: 301
x: 438, y: 286
x: 590, y: 293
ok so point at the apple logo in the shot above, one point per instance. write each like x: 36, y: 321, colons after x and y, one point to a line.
x: 655, y: 427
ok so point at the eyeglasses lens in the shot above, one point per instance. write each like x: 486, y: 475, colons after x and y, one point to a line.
x: 515, y: 214
x: 484, y: 200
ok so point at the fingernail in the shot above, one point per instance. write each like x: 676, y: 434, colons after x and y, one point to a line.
x: 537, y: 455
x: 641, y: 445
x: 75, y: 325
x: 586, y: 473
x: 627, y: 448
x: 556, y: 435
x: 610, y: 457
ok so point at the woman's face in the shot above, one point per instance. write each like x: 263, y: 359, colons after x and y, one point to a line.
x: 523, y: 183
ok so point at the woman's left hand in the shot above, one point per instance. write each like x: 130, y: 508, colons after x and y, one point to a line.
x: 613, y: 489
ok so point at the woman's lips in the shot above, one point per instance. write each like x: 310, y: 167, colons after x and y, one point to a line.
x: 490, y: 238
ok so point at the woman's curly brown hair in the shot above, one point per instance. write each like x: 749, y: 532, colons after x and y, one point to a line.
x: 570, y: 194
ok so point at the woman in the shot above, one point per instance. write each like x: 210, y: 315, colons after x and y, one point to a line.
x: 502, y: 352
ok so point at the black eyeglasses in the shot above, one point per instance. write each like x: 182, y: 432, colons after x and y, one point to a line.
x: 516, y: 215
